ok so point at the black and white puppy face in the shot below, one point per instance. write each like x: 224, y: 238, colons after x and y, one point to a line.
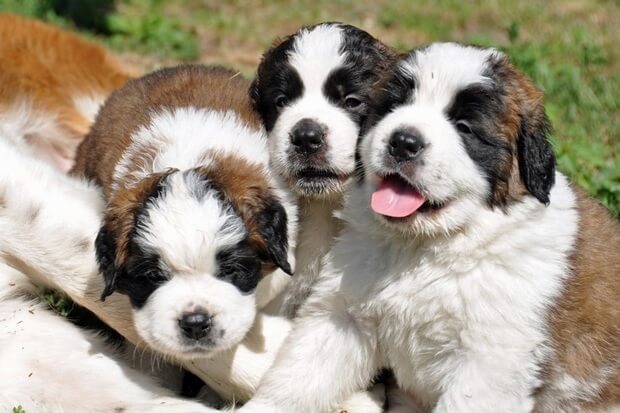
x: 458, y: 129
x: 189, y: 253
x: 313, y: 92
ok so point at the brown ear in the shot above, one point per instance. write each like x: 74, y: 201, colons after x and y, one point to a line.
x: 534, y: 149
x: 246, y: 186
x: 122, y: 212
x: 266, y: 220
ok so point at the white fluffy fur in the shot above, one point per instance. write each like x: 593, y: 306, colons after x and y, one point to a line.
x: 440, y: 312
x: 88, y: 105
x: 454, y: 301
x: 37, y: 132
x: 183, y: 135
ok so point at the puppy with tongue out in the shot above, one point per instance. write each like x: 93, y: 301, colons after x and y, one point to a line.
x: 467, y: 264
x: 395, y: 199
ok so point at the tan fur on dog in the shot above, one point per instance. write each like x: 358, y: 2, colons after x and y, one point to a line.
x: 51, y: 84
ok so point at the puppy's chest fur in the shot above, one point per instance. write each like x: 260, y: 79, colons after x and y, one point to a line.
x: 439, y: 304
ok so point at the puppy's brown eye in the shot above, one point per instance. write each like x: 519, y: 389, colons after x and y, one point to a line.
x: 464, y: 127
x: 352, y: 101
x: 281, y: 101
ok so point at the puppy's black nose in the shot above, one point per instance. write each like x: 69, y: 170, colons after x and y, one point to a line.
x: 406, y: 144
x: 307, y: 137
x: 195, y: 325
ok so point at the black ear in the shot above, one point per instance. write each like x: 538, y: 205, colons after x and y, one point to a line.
x: 273, y: 229
x: 535, y: 153
x: 105, y: 249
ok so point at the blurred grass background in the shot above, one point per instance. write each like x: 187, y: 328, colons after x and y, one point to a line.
x: 569, y: 47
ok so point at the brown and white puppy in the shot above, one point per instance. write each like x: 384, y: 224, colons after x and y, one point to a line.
x: 313, y: 91
x: 193, y: 217
x: 52, y: 84
x: 468, y: 264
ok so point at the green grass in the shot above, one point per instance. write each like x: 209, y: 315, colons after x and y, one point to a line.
x: 569, y: 48
x: 18, y: 409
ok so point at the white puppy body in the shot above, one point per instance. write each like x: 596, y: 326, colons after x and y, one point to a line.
x: 457, y: 258
x: 439, y: 313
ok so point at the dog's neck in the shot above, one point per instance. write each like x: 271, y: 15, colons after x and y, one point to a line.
x: 315, y: 235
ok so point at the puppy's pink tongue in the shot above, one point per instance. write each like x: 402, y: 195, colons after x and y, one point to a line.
x: 395, y: 199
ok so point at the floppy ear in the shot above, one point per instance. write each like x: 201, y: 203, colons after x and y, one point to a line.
x: 266, y: 221
x: 535, y: 153
x: 105, y: 250
x: 273, y: 229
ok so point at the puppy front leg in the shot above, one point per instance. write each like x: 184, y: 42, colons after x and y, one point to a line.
x: 328, y: 356
x: 483, y: 384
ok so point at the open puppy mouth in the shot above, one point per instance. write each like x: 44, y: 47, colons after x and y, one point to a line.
x: 317, y: 181
x: 396, y: 198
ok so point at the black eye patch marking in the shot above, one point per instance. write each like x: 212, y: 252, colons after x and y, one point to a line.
x: 240, y: 266
x: 350, y: 90
x: 144, y: 274
x: 476, y: 114
x: 277, y: 84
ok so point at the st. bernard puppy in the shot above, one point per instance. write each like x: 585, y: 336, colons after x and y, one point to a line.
x: 468, y: 264
x: 313, y: 91
x: 193, y: 217
x: 52, y: 83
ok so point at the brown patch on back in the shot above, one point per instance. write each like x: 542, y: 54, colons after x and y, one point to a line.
x: 585, y: 323
x: 49, y: 67
x: 130, y: 108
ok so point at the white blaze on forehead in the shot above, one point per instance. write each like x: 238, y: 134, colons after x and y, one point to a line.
x: 183, y: 136
x: 315, y: 54
x: 443, y: 69
x: 187, y: 231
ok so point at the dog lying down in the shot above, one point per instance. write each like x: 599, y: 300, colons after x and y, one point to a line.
x: 193, y: 218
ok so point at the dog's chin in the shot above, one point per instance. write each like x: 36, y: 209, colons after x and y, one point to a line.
x: 319, y: 183
x: 182, y: 350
